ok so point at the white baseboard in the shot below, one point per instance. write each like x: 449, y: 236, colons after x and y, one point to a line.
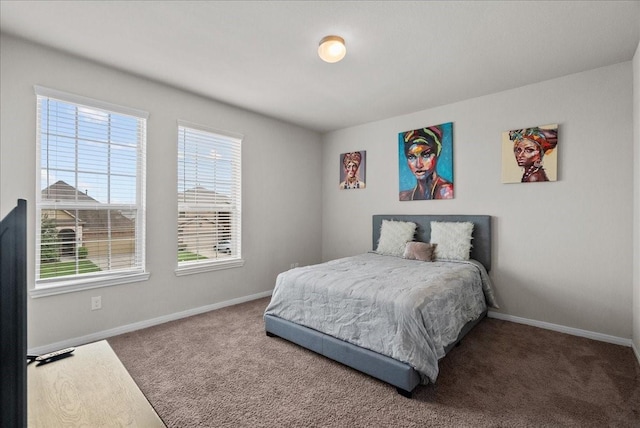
x: 636, y: 351
x: 77, y: 341
x: 563, y: 329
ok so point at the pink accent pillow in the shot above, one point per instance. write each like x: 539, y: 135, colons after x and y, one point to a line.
x: 419, y: 251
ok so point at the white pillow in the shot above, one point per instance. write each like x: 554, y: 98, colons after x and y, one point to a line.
x: 453, y: 239
x: 394, y: 236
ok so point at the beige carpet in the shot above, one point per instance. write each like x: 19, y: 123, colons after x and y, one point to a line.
x: 219, y: 369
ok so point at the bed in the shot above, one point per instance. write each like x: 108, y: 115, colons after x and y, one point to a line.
x: 384, y: 315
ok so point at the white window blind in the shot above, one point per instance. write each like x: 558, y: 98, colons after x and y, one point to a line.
x: 209, y: 197
x: 91, y: 190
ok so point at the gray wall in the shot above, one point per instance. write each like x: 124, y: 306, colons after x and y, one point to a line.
x: 277, y: 197
x: 562, y: 250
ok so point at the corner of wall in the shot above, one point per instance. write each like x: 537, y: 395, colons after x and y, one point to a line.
x: 636, y: 205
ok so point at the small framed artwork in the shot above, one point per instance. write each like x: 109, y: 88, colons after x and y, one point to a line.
x: 353, y: 170
x: 530, y: 155
x: 425, y: 163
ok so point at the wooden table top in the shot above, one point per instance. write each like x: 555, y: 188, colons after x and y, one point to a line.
x: 91, y: 388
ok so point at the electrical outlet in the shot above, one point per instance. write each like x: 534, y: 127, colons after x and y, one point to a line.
x: 96, y: 303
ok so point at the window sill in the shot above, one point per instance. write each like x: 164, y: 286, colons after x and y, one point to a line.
x: 70, y: 286
x: 207, y: 267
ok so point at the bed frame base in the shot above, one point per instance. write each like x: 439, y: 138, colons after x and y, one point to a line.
x: 394, y: 372
x: 404, y: 393
x: 401, y: 375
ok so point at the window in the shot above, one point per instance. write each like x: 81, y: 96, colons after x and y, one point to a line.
x: 209, y: 197
x: 90, y: 201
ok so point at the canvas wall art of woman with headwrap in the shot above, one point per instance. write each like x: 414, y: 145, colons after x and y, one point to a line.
x: 529, y: 146
x: 351, y: 169
x: 422, y: 164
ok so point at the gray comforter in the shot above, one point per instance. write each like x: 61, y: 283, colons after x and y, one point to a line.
x: 405, y: 309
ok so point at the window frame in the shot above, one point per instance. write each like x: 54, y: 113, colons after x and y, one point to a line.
x: 77, y: 282
x: 198, y: 266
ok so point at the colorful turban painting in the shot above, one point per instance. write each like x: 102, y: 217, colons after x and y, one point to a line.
x: 425, y: 162
x: 352, y: 171
x: 530, y: 154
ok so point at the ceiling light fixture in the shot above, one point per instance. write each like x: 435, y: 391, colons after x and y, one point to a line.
x: 332, y: 49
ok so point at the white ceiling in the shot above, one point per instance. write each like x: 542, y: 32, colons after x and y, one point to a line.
x: 402, y: 56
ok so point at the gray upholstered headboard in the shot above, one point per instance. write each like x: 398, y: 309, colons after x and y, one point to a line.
x: 481, y: 249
